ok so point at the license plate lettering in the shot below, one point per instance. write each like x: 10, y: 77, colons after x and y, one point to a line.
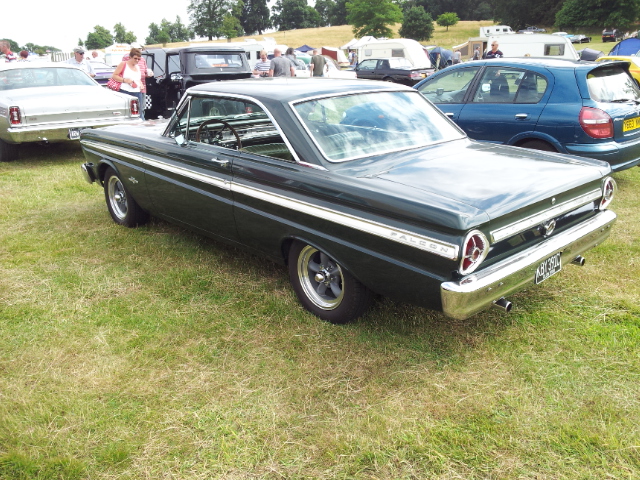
x: 631, y: 124
x: 74, y: 134
x: 549, y: 267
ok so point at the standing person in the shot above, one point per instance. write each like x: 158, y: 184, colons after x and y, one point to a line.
x: 24, y: 56
x: 79, y: 61
x: 145, y: 72
x: 476, y: 53
x: 131, y: 77
x: 281, y: 66
x: 262, y: 67
x: 494, y: 52
x: 9, y: 56
x: 352, y: 57
x: 317, y: 64
x: 457, y: 57
x: 289, y: 54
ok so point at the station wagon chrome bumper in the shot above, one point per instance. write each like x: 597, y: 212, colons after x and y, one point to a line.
x: 478, y: 291
x: 58, y: 132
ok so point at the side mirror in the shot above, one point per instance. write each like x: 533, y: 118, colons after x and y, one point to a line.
x: 176, y: 77
x: 439, y: 91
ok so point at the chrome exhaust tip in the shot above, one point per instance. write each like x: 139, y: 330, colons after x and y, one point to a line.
x: 579, y: 260
x: 503, y: 304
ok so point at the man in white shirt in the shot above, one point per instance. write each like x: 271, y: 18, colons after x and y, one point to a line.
x: 79, y: 61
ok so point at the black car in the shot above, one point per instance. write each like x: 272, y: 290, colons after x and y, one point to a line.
x: 177, y: 69
x: 395, y: 69
x: 611, y: 35
x: 358, y: 187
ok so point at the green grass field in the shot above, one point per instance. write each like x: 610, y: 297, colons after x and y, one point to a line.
x: 155, y: 353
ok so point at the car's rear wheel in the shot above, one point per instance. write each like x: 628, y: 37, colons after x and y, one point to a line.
x: 8, y: 151
x: 324, y: 287
x: 538, y: 145
x: 388, y: 79
x: 123, y: 208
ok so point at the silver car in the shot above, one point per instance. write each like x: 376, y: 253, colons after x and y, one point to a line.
x: 52, y: 102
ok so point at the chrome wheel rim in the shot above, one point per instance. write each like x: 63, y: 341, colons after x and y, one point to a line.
x: 321, y: 278
x: 117, y: 197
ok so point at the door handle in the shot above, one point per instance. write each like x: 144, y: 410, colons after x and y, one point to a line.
x: 522, y: 115
x: 449, y: 114
x: 223, y: 162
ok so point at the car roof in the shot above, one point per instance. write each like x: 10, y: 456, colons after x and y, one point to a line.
x: 551, y: 63
x: 21, y: 65
x: 287, y: 89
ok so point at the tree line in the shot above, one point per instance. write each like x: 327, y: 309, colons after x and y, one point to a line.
x: 233, y: 18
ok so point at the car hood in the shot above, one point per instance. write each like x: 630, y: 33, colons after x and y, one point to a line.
x: 467, y: 183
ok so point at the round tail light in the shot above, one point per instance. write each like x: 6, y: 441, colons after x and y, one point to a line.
x: 608, y: 192
x: 596, y: 123
x: 474, y: 250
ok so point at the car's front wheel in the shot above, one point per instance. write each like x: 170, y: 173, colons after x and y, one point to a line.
x: 123, y: 208
x: 8, y: 151
x: 324, y: 287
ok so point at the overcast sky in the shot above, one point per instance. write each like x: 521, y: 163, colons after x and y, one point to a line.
x: 59, y: 23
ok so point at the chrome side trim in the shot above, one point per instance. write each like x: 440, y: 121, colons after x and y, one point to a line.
x: 463, y: 298
x: 405, y: 237
x: 397, y: 235
x: 208, y: 179
x: 529, y: 222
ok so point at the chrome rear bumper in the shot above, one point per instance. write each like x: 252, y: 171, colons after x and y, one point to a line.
x: 478, y: 291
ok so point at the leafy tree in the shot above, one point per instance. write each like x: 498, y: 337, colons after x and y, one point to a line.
x: 338, y: 13
x: 176, y: 32
x: 519, y: 14
x: 324, y: 8
x: 121, y: 35
x: 255, y: 16
x: 417, y: 25
x: 13, y: 46
x: 207, y: 16
x: 373, y: 19
x: 292, y: 14
x: 589, y: 13
x: 80, y: 43
x: 99, y: 38
x: 231, y: 27
x: 447, y: 19
x: 163, y: 37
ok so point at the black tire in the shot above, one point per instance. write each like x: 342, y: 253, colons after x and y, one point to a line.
x: 123, y: 208
x: 8, y: 151
x: 325, y: 288
x: 538, y: 145
x: 388, y: 79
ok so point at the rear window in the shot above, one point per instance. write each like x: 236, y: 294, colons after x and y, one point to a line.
x: 216, y: 60
x: 612, y: 84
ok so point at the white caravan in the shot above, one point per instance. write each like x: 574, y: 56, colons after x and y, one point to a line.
x: 398, y: 47
x: 536, y: 45
x: 496, y: 30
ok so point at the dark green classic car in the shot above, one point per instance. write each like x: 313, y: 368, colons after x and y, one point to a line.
x: 359, y: 187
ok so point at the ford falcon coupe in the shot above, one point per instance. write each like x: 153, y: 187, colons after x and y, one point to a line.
x: 52, y: 102
x: 359, y: 188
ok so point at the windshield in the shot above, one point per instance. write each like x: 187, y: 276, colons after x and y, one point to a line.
x: 612, y: 84
x: 17, y: 78
x: 354, y: 126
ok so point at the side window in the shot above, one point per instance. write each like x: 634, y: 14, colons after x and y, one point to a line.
x: 449, y: 87
x: 498, y: 85
x: 231, y: 123
x: 553, y: 50
x: 531, y: 88
x: 368, y: 65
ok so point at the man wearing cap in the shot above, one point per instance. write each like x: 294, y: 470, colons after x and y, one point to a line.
x: 78, y: 61
x: 144, y: 73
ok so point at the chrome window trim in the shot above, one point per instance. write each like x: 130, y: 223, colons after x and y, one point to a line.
x: 397, y: 235
x: 293, y: 103
x: 189, y: 96
x: 538, y: 218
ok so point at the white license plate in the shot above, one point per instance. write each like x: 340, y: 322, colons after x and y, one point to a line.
x: 74, y: 133
x: 549, y: 267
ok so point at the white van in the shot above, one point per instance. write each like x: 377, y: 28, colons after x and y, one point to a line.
x: 496, y: 30
x: 537, y: 45
x: 397, y: 47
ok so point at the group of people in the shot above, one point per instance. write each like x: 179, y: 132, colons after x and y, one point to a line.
x: 493, y: 53
x: 285, y: 66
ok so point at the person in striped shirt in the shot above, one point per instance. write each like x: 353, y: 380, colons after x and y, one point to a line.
x: 263, y: 66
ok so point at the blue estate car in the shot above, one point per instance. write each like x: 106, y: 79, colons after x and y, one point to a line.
x: 580, y: 108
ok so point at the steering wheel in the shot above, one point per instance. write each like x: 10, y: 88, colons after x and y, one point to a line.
x: 218, y: 137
